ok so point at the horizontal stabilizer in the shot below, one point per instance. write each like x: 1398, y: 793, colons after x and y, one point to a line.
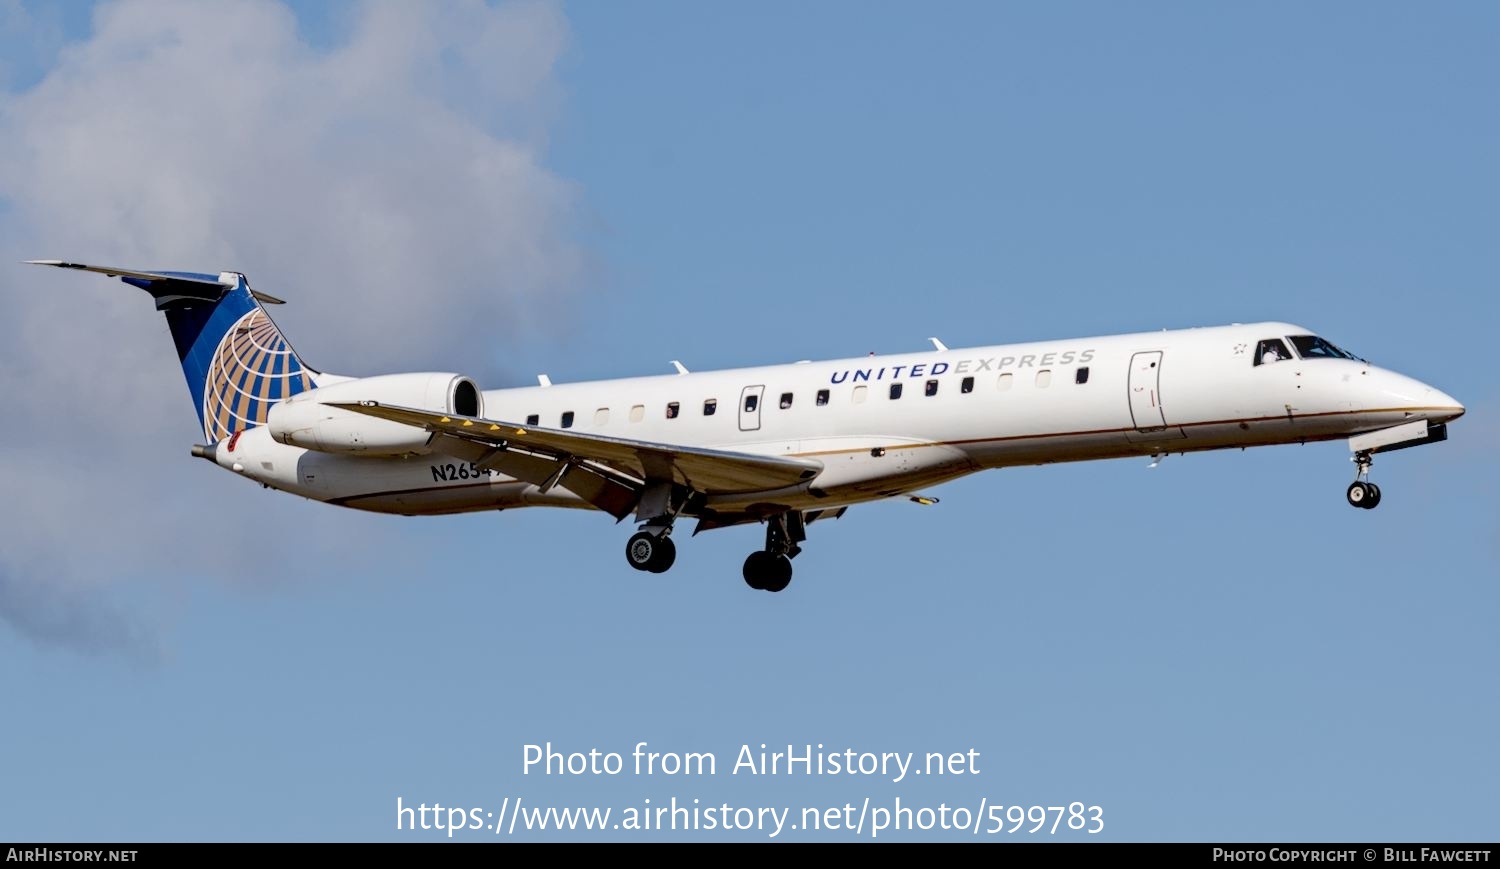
x: 167, y: 287
x: 183, y: 277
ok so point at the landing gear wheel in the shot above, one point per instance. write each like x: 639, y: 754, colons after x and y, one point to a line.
x: 756, y: 569
x: 781, y: 574
x: 767, y: 571
x: 646, y: 551
x: 1363, y: 495
x: 666, y: 554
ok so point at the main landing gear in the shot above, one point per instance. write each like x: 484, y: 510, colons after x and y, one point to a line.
x: 1363, y: 493
x: 770, y: 569
x: 651, y: 550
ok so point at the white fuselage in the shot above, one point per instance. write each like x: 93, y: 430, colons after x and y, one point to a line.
x: 959, y: 411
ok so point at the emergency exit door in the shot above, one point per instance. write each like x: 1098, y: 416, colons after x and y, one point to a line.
x: 750, y: 408
x: 1145, y: 392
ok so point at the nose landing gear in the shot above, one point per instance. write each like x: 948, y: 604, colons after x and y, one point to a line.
x: 1362, y: 493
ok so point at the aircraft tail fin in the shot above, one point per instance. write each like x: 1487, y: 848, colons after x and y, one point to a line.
x: 237, y: 363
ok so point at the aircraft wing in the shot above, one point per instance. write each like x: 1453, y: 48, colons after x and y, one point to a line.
x: 703, y: 470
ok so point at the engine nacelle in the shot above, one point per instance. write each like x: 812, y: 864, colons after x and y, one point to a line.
x: 306, y: 419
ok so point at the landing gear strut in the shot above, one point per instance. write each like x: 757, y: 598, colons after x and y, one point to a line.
x: 1363, y: 493
x: 651, y: 550
x: 770, y: 569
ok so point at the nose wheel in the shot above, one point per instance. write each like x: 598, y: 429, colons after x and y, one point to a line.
x: 1366, y: 495
x: 1363, y: 493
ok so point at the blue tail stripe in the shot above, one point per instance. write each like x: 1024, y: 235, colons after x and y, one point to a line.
x: 198, y: 328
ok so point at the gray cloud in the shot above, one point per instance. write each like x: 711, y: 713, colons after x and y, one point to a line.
x: 390, y: 186
x: 60, y: 614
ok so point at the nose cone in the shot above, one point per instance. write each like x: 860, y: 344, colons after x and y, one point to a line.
x: 1443, y: 406
x: 1417, y: 397
x: 1392, y: 392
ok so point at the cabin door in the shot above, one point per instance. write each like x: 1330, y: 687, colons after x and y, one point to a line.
x: 1145, y: 392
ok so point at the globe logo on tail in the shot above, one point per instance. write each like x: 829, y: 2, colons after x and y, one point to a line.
x: 253, y: 369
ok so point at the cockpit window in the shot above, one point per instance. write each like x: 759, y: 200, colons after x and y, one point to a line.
x: 1271, y: 350
x: 1313, y: 347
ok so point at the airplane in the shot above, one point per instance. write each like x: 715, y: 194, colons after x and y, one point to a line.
x: 785, y: 446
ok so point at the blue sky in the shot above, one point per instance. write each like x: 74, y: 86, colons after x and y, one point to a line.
x: 1216, y: 649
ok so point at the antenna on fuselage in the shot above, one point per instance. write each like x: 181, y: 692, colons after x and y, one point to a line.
x: 938, y: 345
x: 679, y: 367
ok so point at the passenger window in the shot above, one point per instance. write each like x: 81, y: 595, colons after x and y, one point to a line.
x: 786, y: 400
x: 601, y: 416
x: 1005, y: 382
x: 710, y: 406
x: 895, y: 391
x: 567, y: 419
x: 822, y: 397
x: 966, y: 385
x: 1271, y: 350
x: 533, y: 419
x: 752, y: 401
x: 672, y: 409
x: 860, y: 394
x: 931, y: 389
x: 1081, y: 376
x: 1044, y: 378
x: 637, y: 412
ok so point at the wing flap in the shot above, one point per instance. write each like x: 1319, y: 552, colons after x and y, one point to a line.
x: 608, y: 492
x: 709, y: 471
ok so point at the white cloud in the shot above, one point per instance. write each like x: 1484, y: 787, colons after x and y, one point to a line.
x: 390, y: 186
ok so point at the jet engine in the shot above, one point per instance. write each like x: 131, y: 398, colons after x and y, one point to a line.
x: 307, y: 420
